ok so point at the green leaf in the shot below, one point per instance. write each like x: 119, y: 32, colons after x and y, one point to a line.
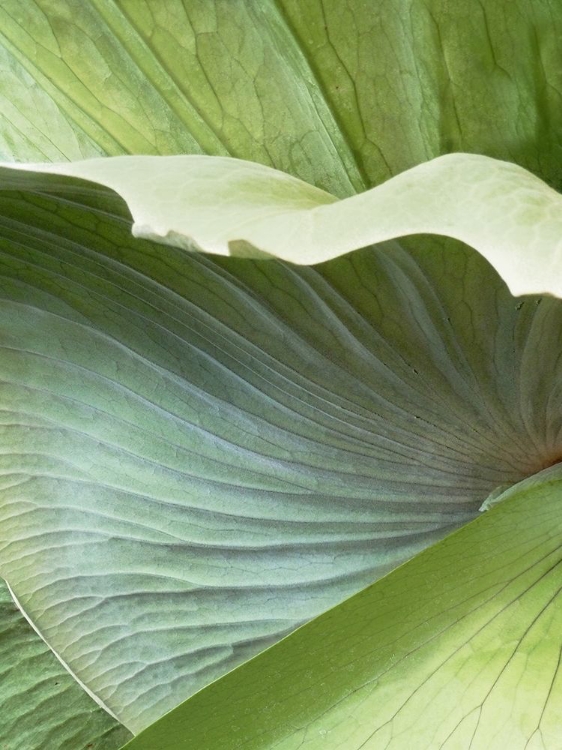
x: 204, y: 75
x: 197, y: 455
x: 341, y: 94
x: 209, y: 452
x: 42, y: 706
x: 458, y: 648
x: 410, y: 80
x: 227, y: 206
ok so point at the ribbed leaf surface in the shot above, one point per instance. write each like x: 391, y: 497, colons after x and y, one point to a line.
x: 200, y: 455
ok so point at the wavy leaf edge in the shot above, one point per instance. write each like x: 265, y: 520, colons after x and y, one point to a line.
x: 227, y: 206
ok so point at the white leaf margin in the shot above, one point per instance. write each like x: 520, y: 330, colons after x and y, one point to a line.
x: 233, y: 207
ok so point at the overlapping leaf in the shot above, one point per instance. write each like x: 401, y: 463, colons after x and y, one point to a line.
x: 203, y: 454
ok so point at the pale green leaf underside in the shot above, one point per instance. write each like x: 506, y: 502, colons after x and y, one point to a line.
x: 458, y: 649
x: 199, y: 454
x: 227, y: 206
x: 41, y: 705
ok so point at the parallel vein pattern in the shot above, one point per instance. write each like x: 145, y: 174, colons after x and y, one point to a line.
x: 199, y: 455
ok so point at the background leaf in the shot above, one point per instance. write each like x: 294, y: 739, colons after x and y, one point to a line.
x: 220, y: 78
x: 413, y: 79
x: 340, y: 94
